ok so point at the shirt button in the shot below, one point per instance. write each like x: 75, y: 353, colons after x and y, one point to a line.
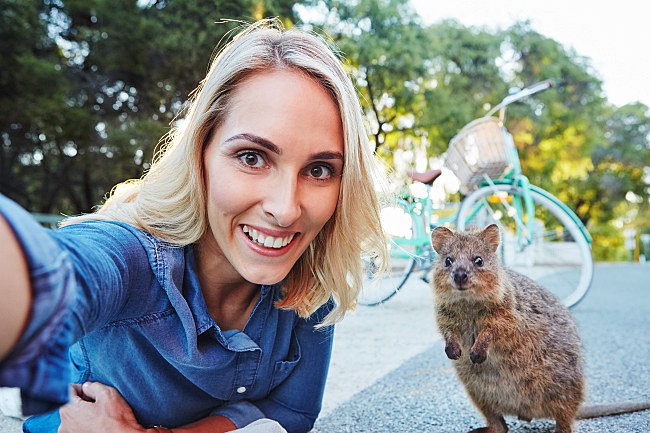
x: 241, y: 389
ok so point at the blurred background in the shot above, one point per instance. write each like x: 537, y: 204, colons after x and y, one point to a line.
x: 88, y: 88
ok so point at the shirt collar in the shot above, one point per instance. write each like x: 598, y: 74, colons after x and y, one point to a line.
x: 194, y: 297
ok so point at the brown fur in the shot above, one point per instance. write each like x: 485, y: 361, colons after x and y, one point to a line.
x: 514, y: 346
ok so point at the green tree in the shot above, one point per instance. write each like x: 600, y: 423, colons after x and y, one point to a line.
x: 386, y: 48
x: 618, y: 187
x: 31, y: 62
x: 621, y: 165
x: 558, y: 130
x: 464, y: 78
x: 418, y: 84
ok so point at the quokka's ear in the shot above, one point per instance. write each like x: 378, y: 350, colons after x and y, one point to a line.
x: 492, y: 236
x: 439, y: 236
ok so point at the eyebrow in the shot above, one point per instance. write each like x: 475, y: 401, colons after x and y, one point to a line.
x: 328, y: 155
x: 275, y: 149
x: 257, y: 140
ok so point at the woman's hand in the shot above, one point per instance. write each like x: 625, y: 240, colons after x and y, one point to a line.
x: 98, y: 408
x: 95, y: 407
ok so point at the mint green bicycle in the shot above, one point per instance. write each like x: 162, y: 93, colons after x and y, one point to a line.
x: 541, y: 236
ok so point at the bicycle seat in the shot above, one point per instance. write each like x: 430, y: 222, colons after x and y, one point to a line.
x: 426, y: 177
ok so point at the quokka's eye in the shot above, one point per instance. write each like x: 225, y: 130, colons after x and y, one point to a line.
x: 448, y: 261
x: 478, y: 261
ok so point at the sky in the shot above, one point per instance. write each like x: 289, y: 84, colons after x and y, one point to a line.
x: 614, y: 35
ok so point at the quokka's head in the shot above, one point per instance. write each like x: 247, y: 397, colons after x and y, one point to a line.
x: 467, y: 266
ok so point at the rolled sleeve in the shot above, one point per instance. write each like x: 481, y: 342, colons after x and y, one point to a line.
x: 38, y: 364
x: 241, y: 413
x: 81, y: 277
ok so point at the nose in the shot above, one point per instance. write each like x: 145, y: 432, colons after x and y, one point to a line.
x: 282, y: 200
x: 460, y: 277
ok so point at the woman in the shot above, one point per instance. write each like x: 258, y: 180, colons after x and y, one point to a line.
x: 205, y: 292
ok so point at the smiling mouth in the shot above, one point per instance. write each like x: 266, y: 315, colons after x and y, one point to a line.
x: 265, y: 240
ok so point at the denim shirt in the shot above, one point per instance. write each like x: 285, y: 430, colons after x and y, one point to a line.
x: 133, y: 308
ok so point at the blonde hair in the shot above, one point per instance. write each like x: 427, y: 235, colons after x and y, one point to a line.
x: 170, y: 200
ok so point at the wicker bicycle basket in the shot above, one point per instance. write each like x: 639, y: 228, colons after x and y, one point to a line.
x: 482, y: 147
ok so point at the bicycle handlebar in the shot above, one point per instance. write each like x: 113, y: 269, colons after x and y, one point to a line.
x: 523, y: 93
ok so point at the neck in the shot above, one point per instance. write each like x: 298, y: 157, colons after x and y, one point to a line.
x: 230, y: 299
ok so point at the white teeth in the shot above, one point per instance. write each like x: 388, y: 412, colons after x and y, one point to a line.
x: 266, y: 240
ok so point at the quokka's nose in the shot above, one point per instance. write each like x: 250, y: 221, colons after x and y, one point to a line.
x: 460, y: 277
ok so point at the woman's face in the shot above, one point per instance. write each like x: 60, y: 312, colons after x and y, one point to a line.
x: 273, y: 174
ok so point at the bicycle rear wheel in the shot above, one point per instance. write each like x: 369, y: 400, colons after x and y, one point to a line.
x: 382, y: 283
x: 558, y: 255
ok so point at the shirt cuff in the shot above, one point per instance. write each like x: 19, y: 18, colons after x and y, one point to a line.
x: 241, y: 413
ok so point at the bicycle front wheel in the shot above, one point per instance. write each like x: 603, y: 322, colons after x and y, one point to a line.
x: 557, y: 254
x: 381, y: 283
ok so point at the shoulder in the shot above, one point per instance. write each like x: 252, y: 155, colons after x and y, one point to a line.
x: 115, y: 235
x: 106, y: 230
x: 530, y: 292
x: 42, y: 253
x: 121, y: 246
x: 317, y: 317
x: 126, y: 257
x: 520, y: 281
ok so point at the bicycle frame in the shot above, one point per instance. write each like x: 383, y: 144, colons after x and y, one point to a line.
x: 522, y: 205
x: 516, y: 176
x: 510, y: 196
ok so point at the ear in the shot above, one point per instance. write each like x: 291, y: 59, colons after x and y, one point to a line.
x: 492, y: 235
x: 438, y: 237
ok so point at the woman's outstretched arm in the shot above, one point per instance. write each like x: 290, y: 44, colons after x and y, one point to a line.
x: 15, y: 292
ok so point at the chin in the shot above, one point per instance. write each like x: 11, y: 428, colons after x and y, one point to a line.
x: 265, y: 280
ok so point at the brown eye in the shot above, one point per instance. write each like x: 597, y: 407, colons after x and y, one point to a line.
x: 478, y: 261
x: 317, y: 171
x: 448, y: 261
x: 321, y: 171
x: 251, y: 159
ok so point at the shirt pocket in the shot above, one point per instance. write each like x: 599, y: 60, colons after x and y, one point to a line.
x: 283, y: 369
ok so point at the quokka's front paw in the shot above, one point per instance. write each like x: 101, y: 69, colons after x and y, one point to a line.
x: 452, y: 349
x: 478, y: 356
